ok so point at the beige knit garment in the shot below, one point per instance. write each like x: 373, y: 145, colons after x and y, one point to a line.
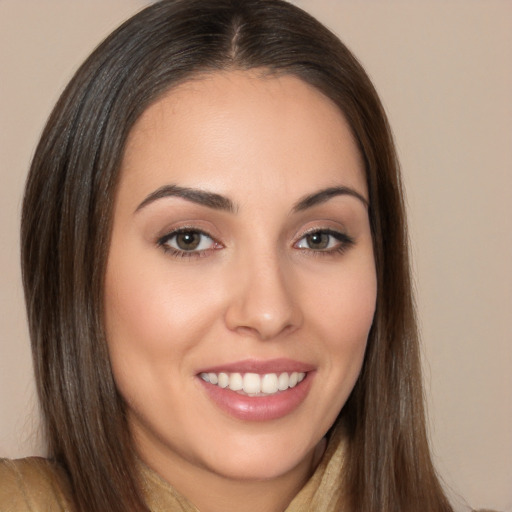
x: 36, y: 485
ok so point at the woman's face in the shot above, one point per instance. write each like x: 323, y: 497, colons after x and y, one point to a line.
x: 240, y: 285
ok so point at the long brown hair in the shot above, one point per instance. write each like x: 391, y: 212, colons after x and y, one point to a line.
x: 66, y: 224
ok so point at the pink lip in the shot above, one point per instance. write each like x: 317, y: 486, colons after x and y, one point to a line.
x: 260, y: 366
x: 260, y: 408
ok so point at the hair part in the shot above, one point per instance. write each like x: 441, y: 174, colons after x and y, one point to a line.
x: 66, y: 224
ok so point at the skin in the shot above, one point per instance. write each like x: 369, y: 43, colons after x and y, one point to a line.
x: 256, y: 288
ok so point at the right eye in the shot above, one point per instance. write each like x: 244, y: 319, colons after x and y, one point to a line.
x: 187, y: 242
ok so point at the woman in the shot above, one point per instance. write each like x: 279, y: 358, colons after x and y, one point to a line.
x: 216, y: 274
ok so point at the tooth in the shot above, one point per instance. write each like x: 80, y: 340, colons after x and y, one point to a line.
x: 283, y: 382
x: 223, y: 380
x: 235, y: 382
x: 252, y: 383
x: 269, y: 383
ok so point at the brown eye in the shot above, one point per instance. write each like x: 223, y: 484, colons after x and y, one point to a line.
x: 325, y: 240
x: 318, y: 240
x: 187, y: 241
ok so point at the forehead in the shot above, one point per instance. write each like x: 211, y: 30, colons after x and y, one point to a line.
x: 240, y: 130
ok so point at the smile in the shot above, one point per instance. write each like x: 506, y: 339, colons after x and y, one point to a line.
x: 258, y: 390
x: 254, y: 384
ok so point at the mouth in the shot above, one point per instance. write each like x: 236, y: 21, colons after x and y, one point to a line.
x: 258, y: 390
x: 254, y: 384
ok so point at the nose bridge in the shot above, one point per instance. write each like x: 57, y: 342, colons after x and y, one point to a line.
x: 263, y: 301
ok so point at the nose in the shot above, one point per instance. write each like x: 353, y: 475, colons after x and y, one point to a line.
x: 263, y: 302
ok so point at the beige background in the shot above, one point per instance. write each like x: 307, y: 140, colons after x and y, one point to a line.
x: 444, y: 71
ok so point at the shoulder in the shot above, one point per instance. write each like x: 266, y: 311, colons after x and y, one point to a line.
x: 33, y: 484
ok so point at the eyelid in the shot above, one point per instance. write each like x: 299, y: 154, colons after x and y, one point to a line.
x: 321, y: 227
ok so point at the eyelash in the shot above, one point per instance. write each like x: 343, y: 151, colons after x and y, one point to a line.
x: 344, y: 243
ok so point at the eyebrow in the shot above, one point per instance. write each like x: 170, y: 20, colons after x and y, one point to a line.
x: 324, y: 195
x: 202, y: 197
x: 220, y: 202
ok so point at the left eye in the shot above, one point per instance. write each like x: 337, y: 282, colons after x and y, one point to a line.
x: 322, y: 240
x: 188, y: 241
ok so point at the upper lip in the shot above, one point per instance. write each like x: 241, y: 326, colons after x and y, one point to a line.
x: 281, y: 365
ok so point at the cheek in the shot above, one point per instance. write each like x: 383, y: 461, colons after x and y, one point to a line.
x: 345, y: 305
x: 354, y: 308
x: 152, y: 310
x: 346, y: 337
x: 343, y: 316
x: 154, y: 321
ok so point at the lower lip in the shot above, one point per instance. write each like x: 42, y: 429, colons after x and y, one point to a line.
x: 259, y: 408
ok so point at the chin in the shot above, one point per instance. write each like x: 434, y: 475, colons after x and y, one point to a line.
x: 263, y: 462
